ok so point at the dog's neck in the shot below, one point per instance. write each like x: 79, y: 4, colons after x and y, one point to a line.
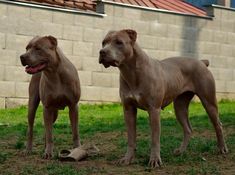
x: 134, y: 68
x: 52, y: 70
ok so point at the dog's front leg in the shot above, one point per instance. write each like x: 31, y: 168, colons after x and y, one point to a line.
x: 73, y: 115
x: 154, y: 117
x: 48, y: 122
x: 130, y: 120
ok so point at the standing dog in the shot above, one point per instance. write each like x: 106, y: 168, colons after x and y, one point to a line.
x: 55, y: 82
x: 151, y: 85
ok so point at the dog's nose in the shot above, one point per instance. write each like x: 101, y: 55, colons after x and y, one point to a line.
x: 23, y: 59
x: 102, y: 53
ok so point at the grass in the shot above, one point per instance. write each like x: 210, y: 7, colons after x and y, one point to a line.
x: 104, y: 126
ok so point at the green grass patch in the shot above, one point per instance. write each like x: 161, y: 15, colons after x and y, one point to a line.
x: 104, y: 126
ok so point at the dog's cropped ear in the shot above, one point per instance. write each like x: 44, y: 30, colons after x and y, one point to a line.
x: 53, y: 40
x: 132, y: 34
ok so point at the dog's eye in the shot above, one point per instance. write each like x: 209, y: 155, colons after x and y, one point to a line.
x: 37, y: 48
x: 103, y: 43
x: 118, y: 42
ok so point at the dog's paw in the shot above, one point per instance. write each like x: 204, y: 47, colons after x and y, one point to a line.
x: 223, y: 149
x: 155, y: 162
x: 126, y: 160
x: 177, y: 152
x: 47, y: 156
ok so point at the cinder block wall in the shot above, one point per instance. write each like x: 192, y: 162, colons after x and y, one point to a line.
x: 160, y: 34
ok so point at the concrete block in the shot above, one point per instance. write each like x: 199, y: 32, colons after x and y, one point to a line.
x: 17, y: 42
x: 219, y: 62
x: 118, y: 11
x: 217, y: 13
x: 190, y: 33
x: 110, y: 94
x: 93, y: 35
x: 7, y: 89
x: 220, y: 85
x: 110, y: 69
x: 96, y: 49
x: 165, y: 44
x: 181, y: 45
x: 142, y: 27
x: 227, y: 26
x: 2, y: 72
x: 175, y: 31
x: 231, y: 38
x: 16, y: 11
x: 121, y: 23
x: 131, y: 13
x: 231, y: 63
x: 41, y: 15
x: 102, y: 23
x: 215, y: 72
x: 230, y: 86
x: 73, y: 32
x: 82, y: 48
x: 22, y: 89
x: 115, y: 80
x: 8, y: 24
x: 211, y: 48
x: 63, y: 18
x: 3, y: 9
x: 16, y: 73
x: 66, y: 46
x: 205, y: 35
x: 8, y: 57
x: 167, y: 18
x: 55, y: 30
x: 220, y: 37
x: 91, y: 64
x: 149, y: 16
x: 182, y: 20
x: 225, y: 74
x: 226, y: 50
x: 16, y: 102
x: 90, y: 93
x: 2, y: 103
x: 84, y: 20
x: 29, y: 27
x: 85, y: 78
x: 213, y: 24
x: 158, y: 29
x: 101, y: 79
x: 147, y: 41
x: 76, y: 60
x: 2, y: 41
x: 109, y: 10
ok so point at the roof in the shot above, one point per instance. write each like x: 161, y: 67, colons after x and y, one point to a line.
x: 172, y: 5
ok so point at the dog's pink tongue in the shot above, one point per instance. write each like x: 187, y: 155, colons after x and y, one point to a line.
x: 32, y: 70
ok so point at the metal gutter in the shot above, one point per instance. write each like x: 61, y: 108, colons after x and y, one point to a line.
x: 223, y: 7
x: 48, y: 7
x: 152, y: 9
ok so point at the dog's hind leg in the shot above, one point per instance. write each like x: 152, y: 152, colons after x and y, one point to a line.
x: 33, y: 103
x: 181, y: 104
x: 210, y: 105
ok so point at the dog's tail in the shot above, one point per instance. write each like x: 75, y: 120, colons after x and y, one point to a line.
x: 206, y: 62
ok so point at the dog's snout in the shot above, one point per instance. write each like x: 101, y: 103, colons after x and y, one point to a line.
x: 102, y: 53
x: 23, y: 59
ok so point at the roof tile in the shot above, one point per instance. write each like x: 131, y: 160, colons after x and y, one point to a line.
x: 172, y: 5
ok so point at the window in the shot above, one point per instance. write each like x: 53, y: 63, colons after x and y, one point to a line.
x: 202, y: 3
x: 233, y: 3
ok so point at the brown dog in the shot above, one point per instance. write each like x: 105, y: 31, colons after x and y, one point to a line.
x: 151, y: 85
x: 55, y: 82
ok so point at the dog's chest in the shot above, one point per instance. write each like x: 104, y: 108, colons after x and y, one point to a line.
x: 137, y: 98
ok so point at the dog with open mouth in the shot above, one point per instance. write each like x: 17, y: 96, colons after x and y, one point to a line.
x: 55, y: 83
x: 151, y: 85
